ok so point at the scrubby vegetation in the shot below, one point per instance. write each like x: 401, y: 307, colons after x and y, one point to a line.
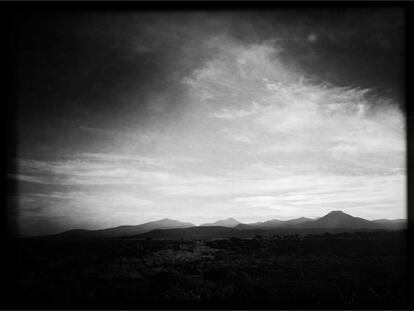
x: 330, y: 271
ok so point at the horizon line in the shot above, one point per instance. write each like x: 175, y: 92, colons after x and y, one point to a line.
x: 228, y: 218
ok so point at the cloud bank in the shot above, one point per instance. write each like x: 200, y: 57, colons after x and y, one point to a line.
x: 251, y: 136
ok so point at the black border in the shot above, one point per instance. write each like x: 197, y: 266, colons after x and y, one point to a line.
x: 10, y: 9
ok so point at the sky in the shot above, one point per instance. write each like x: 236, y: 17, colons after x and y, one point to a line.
x: 133, y: 116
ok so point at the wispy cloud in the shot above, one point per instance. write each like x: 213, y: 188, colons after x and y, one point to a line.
x: 254, y: 139
x: 100, y: 169
x: 341, y: 128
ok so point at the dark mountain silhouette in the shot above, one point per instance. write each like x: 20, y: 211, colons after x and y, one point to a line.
x: 284, y: 223
x: 268, y: 224
x: 245, y: 227
x: 229, y: 223
x: 274, y: 223
x: 125, y: 230
x: 297, y: 220
x: 195, y: 233
x: 391, y: 223
x: 339, y: 219
x: 335, y: 221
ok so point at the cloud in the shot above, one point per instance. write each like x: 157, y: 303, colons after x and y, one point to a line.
x: 100, y: 169
x: 253, y: 94
x: 252, y: 137
x: 256, y: 201
x: 234, y: 113
x: 102, y: 208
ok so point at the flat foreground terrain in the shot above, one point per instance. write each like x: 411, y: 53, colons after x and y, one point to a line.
x: 328, y: 271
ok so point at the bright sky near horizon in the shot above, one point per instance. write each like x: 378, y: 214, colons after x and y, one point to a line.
x: 241, y: 131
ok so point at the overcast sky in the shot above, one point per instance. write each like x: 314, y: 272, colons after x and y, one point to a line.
x: 129, y: 117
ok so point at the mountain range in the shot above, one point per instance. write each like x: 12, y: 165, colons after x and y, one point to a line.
x: 125, y: 230
x: 335, y: 221
x: 228, y: 223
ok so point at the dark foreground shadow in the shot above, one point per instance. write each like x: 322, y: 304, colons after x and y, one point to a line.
x: 364, y: 270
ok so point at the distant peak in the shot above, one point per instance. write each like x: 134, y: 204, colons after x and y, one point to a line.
x: 229, y: 222
x: 336, y: 213
x: 168, y: 220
